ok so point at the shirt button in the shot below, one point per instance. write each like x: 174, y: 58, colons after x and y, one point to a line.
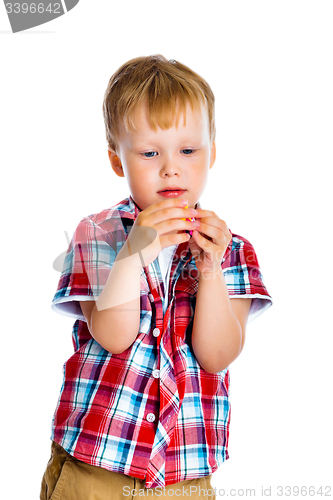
x: 151, y: 297
x: 150, y: 417
x: 156, y: 332
x: 156, y: 373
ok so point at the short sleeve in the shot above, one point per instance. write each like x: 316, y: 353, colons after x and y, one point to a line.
x: 243, y: 276
x: 87, y: 264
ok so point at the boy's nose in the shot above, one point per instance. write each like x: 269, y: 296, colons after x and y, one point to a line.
x: 169, y: 166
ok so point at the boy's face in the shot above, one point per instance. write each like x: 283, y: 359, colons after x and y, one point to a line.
x: 155, y: 161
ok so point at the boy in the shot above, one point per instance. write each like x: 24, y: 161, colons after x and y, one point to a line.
x: 144, y: 403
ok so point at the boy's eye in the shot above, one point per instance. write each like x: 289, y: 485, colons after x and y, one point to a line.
x: 188, y: 151
x: 150, y: 154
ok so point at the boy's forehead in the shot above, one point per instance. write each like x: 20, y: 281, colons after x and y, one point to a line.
x: 141, y: 116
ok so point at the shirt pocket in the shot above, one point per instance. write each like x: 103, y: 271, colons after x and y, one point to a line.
x: 188, y: 280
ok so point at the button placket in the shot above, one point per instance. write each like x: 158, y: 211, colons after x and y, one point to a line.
x: 150, y: 417
x: 158, y: 316
x: 156, y: 332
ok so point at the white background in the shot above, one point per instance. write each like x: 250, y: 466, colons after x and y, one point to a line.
x: 270, y: 67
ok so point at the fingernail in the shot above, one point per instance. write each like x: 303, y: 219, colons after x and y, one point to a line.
x: 184, y: 202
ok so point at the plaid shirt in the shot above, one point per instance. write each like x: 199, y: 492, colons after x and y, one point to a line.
x: 150, y: 412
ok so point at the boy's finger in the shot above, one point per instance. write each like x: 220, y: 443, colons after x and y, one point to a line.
x: 169, y: 203
x: 206, y: 213
x: 174, y: 209
x: 214, y: 222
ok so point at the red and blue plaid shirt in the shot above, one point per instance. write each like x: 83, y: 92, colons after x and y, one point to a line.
x: 150, y: 412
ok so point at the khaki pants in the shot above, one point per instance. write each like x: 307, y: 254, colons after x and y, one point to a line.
x: 67, y: 478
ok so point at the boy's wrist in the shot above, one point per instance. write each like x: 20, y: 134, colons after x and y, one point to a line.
x: 211, y: 274
x: 132, y: 260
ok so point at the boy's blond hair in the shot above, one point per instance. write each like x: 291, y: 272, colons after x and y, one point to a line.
x: 165, y: 86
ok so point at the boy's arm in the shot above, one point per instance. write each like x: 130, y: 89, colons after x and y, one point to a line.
x: 114, y: 320
x: 219, y: 323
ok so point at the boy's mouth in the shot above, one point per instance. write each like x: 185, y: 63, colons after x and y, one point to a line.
x: 172, y: 192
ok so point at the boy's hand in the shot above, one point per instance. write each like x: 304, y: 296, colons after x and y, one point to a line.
x: 151, y: 230
x: 209, y: 243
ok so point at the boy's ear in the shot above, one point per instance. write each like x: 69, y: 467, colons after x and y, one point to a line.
x: 212, y: 154
x: 116, y: 163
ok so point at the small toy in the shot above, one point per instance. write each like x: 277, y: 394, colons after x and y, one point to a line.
x: 191, y: 219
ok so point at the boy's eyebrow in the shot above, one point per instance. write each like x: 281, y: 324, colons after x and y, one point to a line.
x: 183, y: 143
